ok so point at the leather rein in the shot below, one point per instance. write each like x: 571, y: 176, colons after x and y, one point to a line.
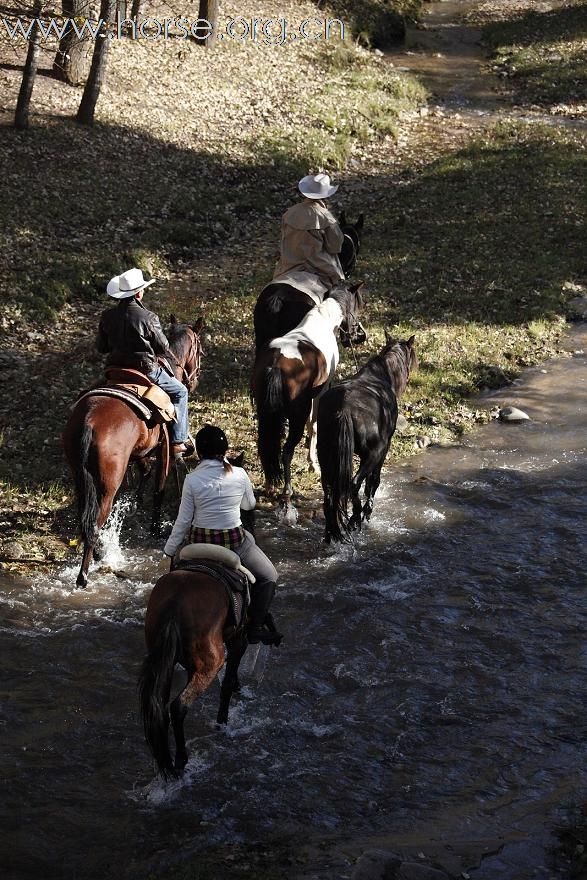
x: 195, y: 353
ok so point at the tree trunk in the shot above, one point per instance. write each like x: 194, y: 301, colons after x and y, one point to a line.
x: 209, y: 11
x: 87, y: 107
x: 21, y: 116
x: 137, y: 9
x: 74, y: 56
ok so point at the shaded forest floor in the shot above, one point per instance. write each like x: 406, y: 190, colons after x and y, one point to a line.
x: 474, y: 223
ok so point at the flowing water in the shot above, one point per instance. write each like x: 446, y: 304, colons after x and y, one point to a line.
x: 428, y: 698
x: 429, y: 695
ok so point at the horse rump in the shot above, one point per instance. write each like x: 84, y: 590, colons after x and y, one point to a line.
x: 335, y: 448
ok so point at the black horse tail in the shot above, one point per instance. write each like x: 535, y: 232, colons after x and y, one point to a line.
x: 270, y: 415
x: 155, y: 687
x: 87, y: 497
x: 335, y: 454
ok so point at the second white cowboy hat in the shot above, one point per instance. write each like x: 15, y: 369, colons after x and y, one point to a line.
x: 127, y: 284
x: 316, y: 186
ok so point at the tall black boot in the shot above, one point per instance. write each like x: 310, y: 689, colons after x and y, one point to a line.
x: 261, y: 627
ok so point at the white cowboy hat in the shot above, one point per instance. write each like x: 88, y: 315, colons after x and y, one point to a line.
x: 127, y: 284
x: 316, y: 186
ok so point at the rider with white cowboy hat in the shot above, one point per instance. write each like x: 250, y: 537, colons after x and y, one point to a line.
x: 132, y: 337
x: 311, y: 238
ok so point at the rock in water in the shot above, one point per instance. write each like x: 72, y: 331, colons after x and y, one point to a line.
x: 513, y: 414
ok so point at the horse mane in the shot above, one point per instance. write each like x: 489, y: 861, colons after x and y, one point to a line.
x: 393, y: 364
x: 177, y: 337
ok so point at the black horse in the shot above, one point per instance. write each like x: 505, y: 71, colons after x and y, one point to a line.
x: 281, y: 307
x: 359, y: 416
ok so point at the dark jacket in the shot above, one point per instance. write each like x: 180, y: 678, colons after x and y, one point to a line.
x: 131, y: 335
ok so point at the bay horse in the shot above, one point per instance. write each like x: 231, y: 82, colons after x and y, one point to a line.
x: 280, y: 307
x: 358, y: 417
x: 187, y: 622
x: 103, y: 434
x: 289, y: 376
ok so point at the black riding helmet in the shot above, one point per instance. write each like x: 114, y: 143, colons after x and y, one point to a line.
x: 211, y: 442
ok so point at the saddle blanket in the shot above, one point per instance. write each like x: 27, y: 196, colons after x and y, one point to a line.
x: 305, y: 281
x: 235, y: 582
x: 135, y: 402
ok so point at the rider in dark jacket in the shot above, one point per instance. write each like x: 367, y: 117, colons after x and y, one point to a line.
x: 132, y: 337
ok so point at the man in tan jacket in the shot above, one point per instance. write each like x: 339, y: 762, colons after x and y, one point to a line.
x: 311, y: 238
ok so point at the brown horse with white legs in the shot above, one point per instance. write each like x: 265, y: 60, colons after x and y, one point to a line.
x: 187, y: 622
x: 103, y: 434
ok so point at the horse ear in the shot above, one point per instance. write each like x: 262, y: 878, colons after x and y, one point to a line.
x: 411, y: 340
x: 172, y: 319
x: 198, y: 326
x: 342, y: 219
x: 356, y: 287
x: 388, y: 337
x: 237, y: 460
x: 360, y: 221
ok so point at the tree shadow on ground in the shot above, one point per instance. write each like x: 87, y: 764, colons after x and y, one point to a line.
x: 541, y: 26
x: 488, y: 234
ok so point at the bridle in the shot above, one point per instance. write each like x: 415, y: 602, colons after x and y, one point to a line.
x: 353, y: 324
x: 195, y: 353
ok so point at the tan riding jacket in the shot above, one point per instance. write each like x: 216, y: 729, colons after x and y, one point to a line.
x: 311, y: 240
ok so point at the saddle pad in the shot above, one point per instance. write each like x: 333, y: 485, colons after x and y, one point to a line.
x: 304, y: 281
x: 133, y: 401
x: 234, y: 581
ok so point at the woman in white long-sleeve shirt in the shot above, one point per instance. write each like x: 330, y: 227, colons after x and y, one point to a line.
x: 211, y: 501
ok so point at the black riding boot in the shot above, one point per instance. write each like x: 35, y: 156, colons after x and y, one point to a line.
x: 261, y: 627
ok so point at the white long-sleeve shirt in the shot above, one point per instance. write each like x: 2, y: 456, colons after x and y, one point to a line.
x: 211, y: 499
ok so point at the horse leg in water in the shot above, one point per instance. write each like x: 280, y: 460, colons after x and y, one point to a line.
x: 207, y: 660
x: 371, y: 486
x: 113, y: 468
x: 297, y: 420
x: 235, y: 650
x: 311, y: 428
x: 369, y: 463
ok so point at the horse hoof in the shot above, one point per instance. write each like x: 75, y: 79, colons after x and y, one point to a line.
x: 81, y: 582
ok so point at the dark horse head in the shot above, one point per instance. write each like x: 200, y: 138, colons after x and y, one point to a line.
x: 186, y: 349
x: 350, y: 299
x: 352, y: 242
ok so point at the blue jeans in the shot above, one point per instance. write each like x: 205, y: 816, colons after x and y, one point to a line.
x: 178, y: 430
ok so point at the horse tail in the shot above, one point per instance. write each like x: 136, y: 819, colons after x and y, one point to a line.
x: 155, y: 687
x: 87, y: 497
x: 270, y: 416
x: 335, y: 454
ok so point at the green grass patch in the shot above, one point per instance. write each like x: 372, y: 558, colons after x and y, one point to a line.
x: 360, y: 99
